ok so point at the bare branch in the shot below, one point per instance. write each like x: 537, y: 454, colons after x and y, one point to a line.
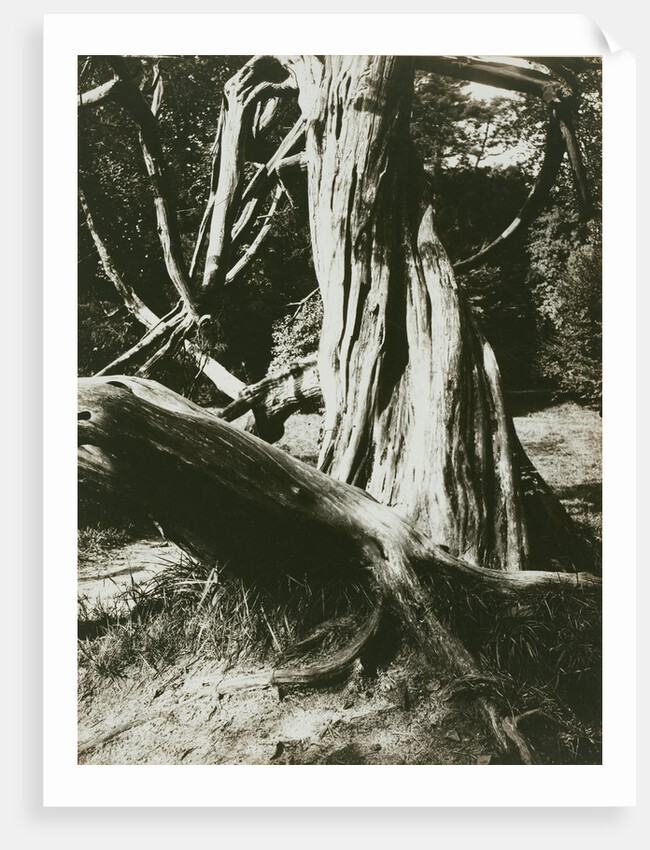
x: 152, y: 339
x: 255, y: 245
x: 134, y: 304
x: 302, y: 302
x: 226, y: 383
x: 553, y: 155
x: 261, y: 76
x: 129, y: 96
x: 254, y: 194
x: 280, y: 394
x: 158, y: 88
x: 98, y: 94
x: 498, y: 74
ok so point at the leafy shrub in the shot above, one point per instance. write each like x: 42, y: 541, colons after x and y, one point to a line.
x: 297, y: 334
x: 566, y: 277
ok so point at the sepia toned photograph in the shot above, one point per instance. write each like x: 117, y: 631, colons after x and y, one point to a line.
x: 340, y: 410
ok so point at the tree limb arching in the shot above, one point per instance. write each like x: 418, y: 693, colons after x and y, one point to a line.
x: 559, y: 95
x: 553, y: 155
x: 489, y: 73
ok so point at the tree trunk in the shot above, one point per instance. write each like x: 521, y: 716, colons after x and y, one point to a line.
x: 414, y: 409
x: 224, y: 495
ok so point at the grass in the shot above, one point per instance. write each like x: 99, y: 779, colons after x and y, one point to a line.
x: 565, y: 444
x: 96, y: 540
x: 190, y: 609
x: 541, y: 653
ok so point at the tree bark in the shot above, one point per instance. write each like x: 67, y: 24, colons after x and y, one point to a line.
x: 414, y: 410
x: 226, y: 496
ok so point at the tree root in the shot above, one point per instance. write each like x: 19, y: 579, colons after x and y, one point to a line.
x: 337, y: 664
x: 223, y: 495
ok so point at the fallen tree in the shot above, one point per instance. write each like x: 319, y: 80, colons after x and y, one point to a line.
x: 224, y: 495
x: 420, y: 471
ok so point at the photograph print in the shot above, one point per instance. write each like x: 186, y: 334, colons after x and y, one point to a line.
x: 339, y: 360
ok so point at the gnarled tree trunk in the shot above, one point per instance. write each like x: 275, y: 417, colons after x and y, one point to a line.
x: 414, y: 409
x: 424, y: 470
x: 223, y: 494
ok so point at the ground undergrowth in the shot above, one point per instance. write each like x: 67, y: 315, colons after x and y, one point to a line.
x: 156, y: 654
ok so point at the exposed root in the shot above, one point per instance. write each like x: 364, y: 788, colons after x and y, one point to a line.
x: 337, y: 664
x: 509, y: 726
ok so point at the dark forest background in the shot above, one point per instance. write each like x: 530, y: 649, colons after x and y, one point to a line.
x: 538, y: 300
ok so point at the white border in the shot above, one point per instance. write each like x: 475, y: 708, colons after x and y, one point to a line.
x: 66, y: 783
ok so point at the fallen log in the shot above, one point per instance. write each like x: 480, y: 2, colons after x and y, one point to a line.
x: 226, y: 496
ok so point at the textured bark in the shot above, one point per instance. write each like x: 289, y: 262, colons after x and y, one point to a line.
x: 239, y: 118
x: 414, y: 410
x: 224, y: 495
x: 280, y: 394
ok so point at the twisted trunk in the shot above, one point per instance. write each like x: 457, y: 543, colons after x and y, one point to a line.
x: 414, y: 409
x: 224, y: 495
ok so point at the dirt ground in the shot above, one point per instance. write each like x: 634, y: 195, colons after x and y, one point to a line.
x: 194, y: 714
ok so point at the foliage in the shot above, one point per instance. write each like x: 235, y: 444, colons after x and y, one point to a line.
x: 565, y: 280
x: 481, y: 155
x: 297, y: 334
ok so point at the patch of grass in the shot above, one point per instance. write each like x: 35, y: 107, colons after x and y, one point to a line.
x: 189, y: 609
x: 541, y: 653
x: 97, y: 540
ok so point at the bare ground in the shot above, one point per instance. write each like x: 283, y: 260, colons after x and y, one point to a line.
x: 400, y: 715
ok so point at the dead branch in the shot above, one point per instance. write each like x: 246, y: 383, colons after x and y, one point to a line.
x: 489, y: 73
x: 224, y: 495
x: 151, y: 339
x: 130, y: 97
x: 553, y: 155
x: 133, y: 302
x: 295, y: 388
x: 98, y: 94
x: 251, y: 252
x: 257, y: 78
x: 224, y: 381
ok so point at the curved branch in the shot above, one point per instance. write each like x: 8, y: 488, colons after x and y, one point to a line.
x: 553, y: 155
x: 489, y: 73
